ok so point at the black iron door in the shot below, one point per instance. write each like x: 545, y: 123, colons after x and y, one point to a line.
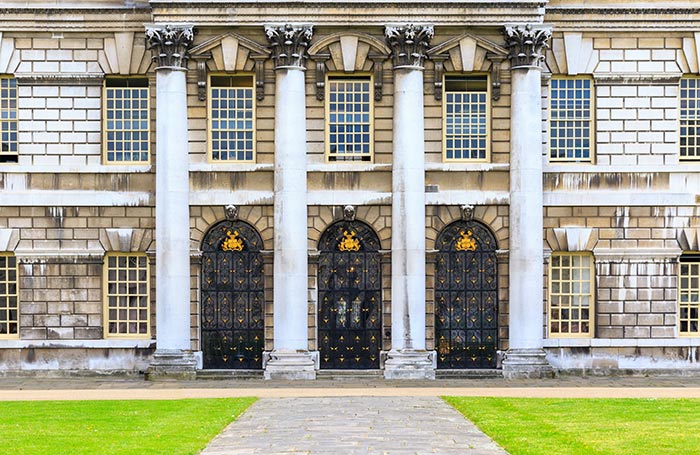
x: 349, y: 309
x: 232, y: 297
x: 466, y: 297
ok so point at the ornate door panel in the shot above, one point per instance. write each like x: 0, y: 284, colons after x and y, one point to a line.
x: 466, y: 296
x: 349, y: 308
x: 232, y: 297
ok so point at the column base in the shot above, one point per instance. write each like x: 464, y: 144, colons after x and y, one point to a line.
x: 526, y: 364
x: 409, y: 364
x: 290, y: 365
x: 172, y: 364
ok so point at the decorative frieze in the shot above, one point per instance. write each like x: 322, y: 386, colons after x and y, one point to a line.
x: 409, y: 43
x: 169, y: 44
x: 289, y: 43
x: 527, y: 44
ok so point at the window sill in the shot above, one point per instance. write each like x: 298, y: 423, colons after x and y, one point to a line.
x: 466, y: 167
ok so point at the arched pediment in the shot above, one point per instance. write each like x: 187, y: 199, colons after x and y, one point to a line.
x: 467, y: 53
x: 348, y: 52
x: 229, y: 52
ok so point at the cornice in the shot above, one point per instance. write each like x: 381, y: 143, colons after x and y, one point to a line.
x: 72, y: 11
x: 339, y: 4
x: 622, y: 11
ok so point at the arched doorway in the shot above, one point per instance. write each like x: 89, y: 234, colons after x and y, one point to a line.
x: 232, y: 297
x: 466, y: 296
x: 349, y: 288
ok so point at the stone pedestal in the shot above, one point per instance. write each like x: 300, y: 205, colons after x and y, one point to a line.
x: 290, y: 365
x: 410, y: 364
x: 172, y: 364
x: 525, y: 357
x: 173, y: 351
x: 290, y: 358
x: 408, y: 358
x: 526, y: 364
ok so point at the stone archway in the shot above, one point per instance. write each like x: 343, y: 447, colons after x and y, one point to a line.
x: 349, y: 286
x: 466, y: 296
x: 232, y: 297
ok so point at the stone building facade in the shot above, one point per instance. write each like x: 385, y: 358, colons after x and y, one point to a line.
x: 288, y: 188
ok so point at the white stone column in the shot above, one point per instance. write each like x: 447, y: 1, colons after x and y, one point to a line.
x: 173, y: 356
x: 525, y: 356
x: 290, y: 358
x: 408, y: 358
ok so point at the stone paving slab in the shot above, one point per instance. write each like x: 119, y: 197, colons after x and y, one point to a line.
x: 347, y: 426
x: 116, y: 388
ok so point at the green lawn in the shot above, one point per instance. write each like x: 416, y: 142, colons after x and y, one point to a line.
x: 173, y: 427
x: 526, y: 426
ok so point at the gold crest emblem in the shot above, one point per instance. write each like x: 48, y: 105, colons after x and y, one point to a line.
x: 349, y: 242
x: 466, y: 242
x: 232, y: 242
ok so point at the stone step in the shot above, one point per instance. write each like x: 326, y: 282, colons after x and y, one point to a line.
x: 349, y: 374
x: 468, y: 374
x: 229, y: 374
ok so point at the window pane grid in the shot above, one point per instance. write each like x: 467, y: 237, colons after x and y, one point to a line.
x: 571, y: 295
x: 349, y: 120
x: 570, y: 126
x: 690, y: 118
x: 232, y: 119
x: 9, y: 295
x: 689, y: 298
x: 8, y: 120
x: 466, y: 125
x: 126, y: 123
x: 127, y: 295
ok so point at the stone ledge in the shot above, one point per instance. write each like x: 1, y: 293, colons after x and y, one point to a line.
x: 621, y: 343
x: 84, y: 344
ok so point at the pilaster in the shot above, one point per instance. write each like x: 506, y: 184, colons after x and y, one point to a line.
x: 290, y: 358
x: 408, y: 357
x: 173, y: 356
x: 525, y: 356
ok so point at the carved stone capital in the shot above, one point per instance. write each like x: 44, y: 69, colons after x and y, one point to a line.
x: 527, y: 44
x: 288, y: 44
x: 169, y: 44
x: 409, y: 43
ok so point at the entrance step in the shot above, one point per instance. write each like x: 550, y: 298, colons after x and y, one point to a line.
x: 229, y: 374
x: 349, y: 374
x: 468, y: 374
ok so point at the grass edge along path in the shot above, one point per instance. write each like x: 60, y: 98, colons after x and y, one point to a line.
x: 583, y: 426
x: 153, y: 427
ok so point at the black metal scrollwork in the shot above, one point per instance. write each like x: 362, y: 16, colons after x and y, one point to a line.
x: 349, y: 309
x: 466, y: 297
x: 232, y: 299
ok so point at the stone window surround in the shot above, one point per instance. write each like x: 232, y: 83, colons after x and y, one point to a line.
x: 105, y: 138
x: 210, y: 129
x: 572, y: 296
x: 487, y: 156
x: 692, y: 119
x: 338, y: 77
x: 108, y: 320
x: 8, y: 85
x: 6, y: 295
x: 591, y: 119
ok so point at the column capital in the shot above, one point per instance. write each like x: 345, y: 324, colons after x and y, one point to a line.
x: 288, y: 43
x: 408, y: 43
x: 526, y: 44
x: 169, y: 44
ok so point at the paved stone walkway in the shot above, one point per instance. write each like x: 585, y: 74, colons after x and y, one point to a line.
x: 348, y: 426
